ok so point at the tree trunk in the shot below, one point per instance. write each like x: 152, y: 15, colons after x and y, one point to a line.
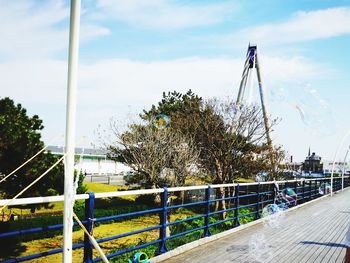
x: 157, y: 199
x: 222, y: 203
x: 220, y: 193
x: 168, y: 232
x: 216, y: 208
x: 181, y: 196
x: 231, y: 194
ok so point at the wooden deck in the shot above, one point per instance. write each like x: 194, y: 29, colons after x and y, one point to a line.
x: 313, y: 233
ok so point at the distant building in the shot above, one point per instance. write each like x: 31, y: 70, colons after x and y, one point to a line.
x: 93, y: 161
x: 338, y: 167
x: 291, y: 169
x: 312, y: 164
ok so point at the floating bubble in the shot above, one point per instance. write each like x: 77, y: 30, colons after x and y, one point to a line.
x: 273, y: 215
x: 259, y: 248
x: 314, y: 111
x: 301, y: 112
x: 324, y: 189
x: 290, y: 196
x: 278, y: 94
x: 161, y: 121
x: 289, y: 191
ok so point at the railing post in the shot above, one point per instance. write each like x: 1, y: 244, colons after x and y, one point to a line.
x: 303, y: 190
x: 163, y: 222
x: 257, y: 215
x: 236, y: 223
x: 310, y: 182
x: 207, y: 212
x: 316, y: 187
x: 89, y: 217
x: 337, y: 184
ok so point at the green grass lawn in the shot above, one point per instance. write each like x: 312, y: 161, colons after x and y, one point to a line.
x: 100, y: 231
x: 58, y: 206
x: 101, y: 188
x: 103, y: 230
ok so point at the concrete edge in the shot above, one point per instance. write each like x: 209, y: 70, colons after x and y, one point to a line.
x: 205, y: 240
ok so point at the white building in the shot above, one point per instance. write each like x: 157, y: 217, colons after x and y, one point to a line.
x: 338, y: 167
x: 93, y: 161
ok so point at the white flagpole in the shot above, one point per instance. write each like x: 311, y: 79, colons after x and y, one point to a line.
x: 343, y: 170
x: 70, y: 130
x: 336, y: 156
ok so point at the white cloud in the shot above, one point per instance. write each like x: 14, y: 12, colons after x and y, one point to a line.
x: 163, y: 13
x: 303, y: 26
x: 90, y: 31
x: 35, y: 30
x: 27, y: 29
x: 34, y: 81
x: 108, y: 83
x: 115, y: 87
x: 277, y: 69
x: 113, y: 81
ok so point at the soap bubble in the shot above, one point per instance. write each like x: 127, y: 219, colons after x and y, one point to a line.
x: 301, y: 112
x: 259, y: 248
x: 314, y: 111
x: 290, y: 196
x: 324, y: 189
x: 278, y: 94
x: 161, y: 121
x: 273, y: 215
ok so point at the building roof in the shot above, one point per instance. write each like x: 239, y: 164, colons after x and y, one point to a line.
x: 101, y: 153
x: 313, y: 157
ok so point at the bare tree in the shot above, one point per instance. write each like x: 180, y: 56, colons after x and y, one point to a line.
x: 159, y: 156
x: 232, y: 142
x: 218, y: 137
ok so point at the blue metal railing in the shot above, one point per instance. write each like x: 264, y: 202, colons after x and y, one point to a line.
x: 252, y: 197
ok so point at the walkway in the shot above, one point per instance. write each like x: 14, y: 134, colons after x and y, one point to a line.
x: 313, y: 233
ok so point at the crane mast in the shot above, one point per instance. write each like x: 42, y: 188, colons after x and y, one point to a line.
x: 252, y: 63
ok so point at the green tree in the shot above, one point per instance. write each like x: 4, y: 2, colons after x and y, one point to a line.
x: 220, y: 130
x: 230, y: 139
x: 20, y: 139
x: 183, y: 110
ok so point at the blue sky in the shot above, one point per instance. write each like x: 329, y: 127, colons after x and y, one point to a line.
x: 132, y: 51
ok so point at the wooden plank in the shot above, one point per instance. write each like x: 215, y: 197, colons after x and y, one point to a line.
x: 325, y: 244
x: 321, y: 222
x: 342, y: 227
x: 320, y: 236
x: 306, y: 224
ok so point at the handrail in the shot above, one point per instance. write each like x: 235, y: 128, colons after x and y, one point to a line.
x: 250, y: 199
x: 52, y: 199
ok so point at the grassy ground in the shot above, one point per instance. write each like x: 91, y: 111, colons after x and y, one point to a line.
x: 100, y: 188
x: 58, y: 206
x: 106, y: 230
x: 101, y: 231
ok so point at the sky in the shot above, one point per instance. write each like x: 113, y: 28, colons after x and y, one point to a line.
x: 131, y: 51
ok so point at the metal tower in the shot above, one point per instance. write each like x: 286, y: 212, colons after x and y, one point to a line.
x: 250, y: 64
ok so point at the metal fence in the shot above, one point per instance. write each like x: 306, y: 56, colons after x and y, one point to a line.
x: 252, y: 196
x: 112, y: 179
